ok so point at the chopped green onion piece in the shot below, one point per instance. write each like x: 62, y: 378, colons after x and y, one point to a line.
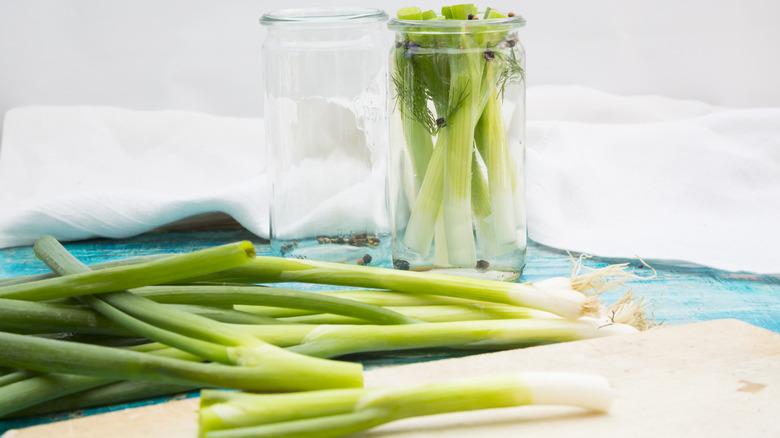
x: 429, y: 15
x: 410, y: 13
x: 462, y: 11
x: 491, y: 13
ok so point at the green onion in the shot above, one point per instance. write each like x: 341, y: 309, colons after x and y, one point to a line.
x: 41, y: 388
x: 436, y: 313
x: 335, y: 340
x: 491, y: 138
x: 163, y: 270
x: 465, y: 79
x: 272, y: 296
x: 422, y: 220
x: 395, y: 299
x: 312, y: 414
x: 231, y: 409
x: 226, y: 315
x: 110, y: 394
x: 27, y: 317
x: 14, y: 376
x: 275, y: 312
x: 556, y: 295
x: 95, y: 267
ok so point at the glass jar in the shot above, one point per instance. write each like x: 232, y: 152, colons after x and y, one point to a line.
x: 457, y: 128
x: 325, y: 77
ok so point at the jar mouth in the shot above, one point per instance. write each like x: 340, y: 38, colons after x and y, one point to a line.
x: 335, y: 16
x: 455, y: 26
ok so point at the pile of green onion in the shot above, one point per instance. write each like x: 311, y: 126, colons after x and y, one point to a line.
x: 218, y: 319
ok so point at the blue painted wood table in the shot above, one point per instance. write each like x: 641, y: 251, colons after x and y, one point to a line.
x: 680, y: 294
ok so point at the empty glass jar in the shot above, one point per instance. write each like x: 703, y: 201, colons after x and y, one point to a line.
x: 457, y: 128
x: 325, y: 76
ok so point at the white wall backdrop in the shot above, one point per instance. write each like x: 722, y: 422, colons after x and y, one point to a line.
x: 203, y: 55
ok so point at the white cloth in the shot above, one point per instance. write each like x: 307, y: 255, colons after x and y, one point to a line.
x: 606, y: 175
x: 655, y: 178
x: 81, y: 172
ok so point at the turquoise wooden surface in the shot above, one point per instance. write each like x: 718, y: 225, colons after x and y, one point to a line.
x: 681, y: 294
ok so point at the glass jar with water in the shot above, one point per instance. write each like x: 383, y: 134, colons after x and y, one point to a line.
x: 457, y: 129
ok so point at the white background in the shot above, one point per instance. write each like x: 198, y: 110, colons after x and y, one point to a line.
x: 204, y: 55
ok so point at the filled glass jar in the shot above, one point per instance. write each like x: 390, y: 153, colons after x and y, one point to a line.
x: 457, y: 142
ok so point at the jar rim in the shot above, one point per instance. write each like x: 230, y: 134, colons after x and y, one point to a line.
x: 484, y: 25
x: 336, y: 16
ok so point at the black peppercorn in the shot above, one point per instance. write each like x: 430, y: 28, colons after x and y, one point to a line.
x: 400, y: 264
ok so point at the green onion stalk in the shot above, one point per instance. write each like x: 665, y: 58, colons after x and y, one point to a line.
x: 26, y: 317
x: 440, y: 313
x: 562, y: 296
x: 330, y: 341
x: 38, y: 388
x: 212, y: 294
x: 451, y: 73
x: 121, y: 276
x: 333, y: 413
x: 110, y: 394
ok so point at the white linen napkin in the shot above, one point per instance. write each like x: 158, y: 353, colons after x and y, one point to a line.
x: 85, y: 171
x: 607, y: 175
x: 654, y: 177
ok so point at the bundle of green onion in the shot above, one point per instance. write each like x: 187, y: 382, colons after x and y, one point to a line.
x: 451, y: 73
x: 139, y: 328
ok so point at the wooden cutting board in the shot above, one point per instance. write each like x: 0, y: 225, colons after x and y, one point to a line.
x: 712, y: 379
